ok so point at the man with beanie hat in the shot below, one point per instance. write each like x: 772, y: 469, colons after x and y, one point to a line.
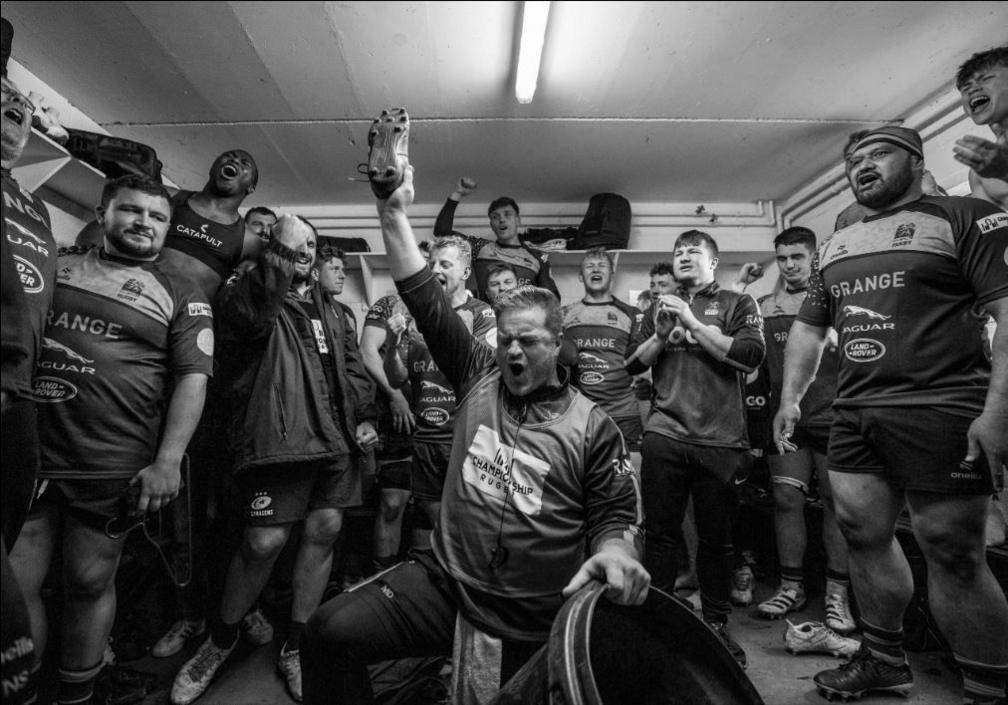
x: 921, y: 411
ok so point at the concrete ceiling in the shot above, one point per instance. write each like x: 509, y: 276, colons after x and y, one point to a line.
x: 706, y: 101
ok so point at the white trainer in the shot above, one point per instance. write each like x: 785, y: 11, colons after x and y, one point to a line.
x: 196, y: 673
x: 175, y: 638
x: 816, y: 637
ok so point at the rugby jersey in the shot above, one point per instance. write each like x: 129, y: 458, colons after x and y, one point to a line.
x: 391, y: 443
x: 530, y: 266
x: 903, y: 289
x: 696, y: 398
x: 779, y: 311
x: 431, y: 394
x: 602, y: 333
x: 118, y: 332
x: 27, y: 229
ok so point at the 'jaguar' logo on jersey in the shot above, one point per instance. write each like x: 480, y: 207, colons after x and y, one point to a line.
x: 589, y: 357
x: 904, y: 234
x: 50, y: 344
x: 861, y: 311
x: 434, y: 387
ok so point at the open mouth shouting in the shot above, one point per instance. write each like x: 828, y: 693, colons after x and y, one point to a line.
x: 866, y: 180
x: 16, y: 115
x: 978, y: 103
x: 229, y: 171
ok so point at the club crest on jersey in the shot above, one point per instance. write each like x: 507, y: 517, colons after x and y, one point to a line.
x: 611, y: 317
x: 130, y: 291
x: 904, y: 234
x: 712, y: 310
x: 992, y: 222
x: 260, y: 505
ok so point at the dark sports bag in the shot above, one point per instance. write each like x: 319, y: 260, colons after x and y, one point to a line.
x: 347, y: 244
x: 114, y: 156
x: 606, y: 224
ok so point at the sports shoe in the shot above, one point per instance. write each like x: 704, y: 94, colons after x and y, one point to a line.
x: 388, y: 139
x: 289, y: 664
x: 816, y: 637
x: 258, y: 630
x: 864, y: 673
x: 721, y: 629
x: 742, y: 586
x: 784, y: 601
x: 838, y: 613
x: 176, y: 637
x: 196, y: 673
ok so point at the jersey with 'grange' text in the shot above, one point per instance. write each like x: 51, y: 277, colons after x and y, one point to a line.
x: 601, y: 334
x: 118, y: 331
x: 903, y: 289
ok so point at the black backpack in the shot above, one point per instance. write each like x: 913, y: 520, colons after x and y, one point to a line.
x: 606, y: 224
x: 114, y: 156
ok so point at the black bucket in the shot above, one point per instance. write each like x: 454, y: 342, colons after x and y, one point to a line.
x: 600, y: 653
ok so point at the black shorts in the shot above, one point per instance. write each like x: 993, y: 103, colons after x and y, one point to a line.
x: 284, y: 494
x: 430, y: 465
x: 395, y: 473
x: 916, y: 448
x: 632, y: 429
x: 815, y: 438
x: 92, y: 502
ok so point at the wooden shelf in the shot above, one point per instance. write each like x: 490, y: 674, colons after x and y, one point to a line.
x: 46, y: 163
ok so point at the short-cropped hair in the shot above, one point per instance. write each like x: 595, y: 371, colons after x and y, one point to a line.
x: 498, y: 267
x: 697, y: 237
x: 327, y: 253
x: 459, y: 243
x: 261, y: 210
x: 501, y: 202
x: 662, y: 268
x: 796, y: 235
x: 528, y: 296
x: 134, y: 182
x: 598, y: 253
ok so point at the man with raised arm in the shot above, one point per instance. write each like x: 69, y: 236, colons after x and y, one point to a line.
x: 540, y: 497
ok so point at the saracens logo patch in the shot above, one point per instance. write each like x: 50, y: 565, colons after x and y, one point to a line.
x: 992, y: 222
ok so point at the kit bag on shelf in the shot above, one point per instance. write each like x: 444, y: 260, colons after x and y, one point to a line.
x: 114, y: 156
x: 347, y: 244
x: 606, y: 224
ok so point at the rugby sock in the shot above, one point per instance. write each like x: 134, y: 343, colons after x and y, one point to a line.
x: 836, y: 581
x: 792, y: 577
x: 223, y: 635
x: 293, y: 642
x: 983, y: 683
x: 77, y: 686
x: 884, y: 644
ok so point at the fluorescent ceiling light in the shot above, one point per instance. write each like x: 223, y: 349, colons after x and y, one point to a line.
x: 534, y: 17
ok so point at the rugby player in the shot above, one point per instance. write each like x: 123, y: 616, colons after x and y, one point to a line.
x: 921, y: 413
